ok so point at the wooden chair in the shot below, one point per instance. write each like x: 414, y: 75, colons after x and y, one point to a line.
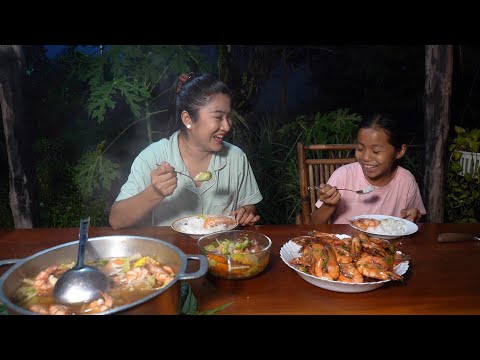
x: 316, y: 163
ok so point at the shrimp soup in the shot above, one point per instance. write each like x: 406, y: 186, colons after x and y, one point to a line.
x: 130, y: 279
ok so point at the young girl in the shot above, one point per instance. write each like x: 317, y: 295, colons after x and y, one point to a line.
x: 396, y: 191
x: 161, y: 186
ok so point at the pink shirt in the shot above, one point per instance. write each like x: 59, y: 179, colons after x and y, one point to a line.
x: 401, y: 193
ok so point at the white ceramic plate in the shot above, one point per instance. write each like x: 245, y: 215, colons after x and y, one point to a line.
x: 410, y: 227
x: 193, y: 225
x: 291, y: 250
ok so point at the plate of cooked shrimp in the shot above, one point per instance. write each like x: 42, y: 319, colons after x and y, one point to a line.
x: 383, y: 226
x: 344, y: 263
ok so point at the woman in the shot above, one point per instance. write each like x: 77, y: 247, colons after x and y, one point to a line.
x: 161, y: 183
x: 379, y: 147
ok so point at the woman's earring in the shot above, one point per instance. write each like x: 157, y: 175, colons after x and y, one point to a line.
x: 189, y: 126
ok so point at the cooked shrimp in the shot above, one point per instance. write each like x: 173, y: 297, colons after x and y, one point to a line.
x: 136, y: 274
x: 324, y: 263
x: 318, y: 259
x: 373, y: 249
x: 365, y: 223
x: 45, y: 280
x: 218, y: 220
x: 163, y: 274
x: 333, y: 270
x: 380, y: 242
x: 356, y: 248
x: 39, y: 309
x: 57, y: 309
x: 375, y: 267
x: 100, y: 305
x: 349, y: 273
x: 343, y: 255
x: 328, y: 237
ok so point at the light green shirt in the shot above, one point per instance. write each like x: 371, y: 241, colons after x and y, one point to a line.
x: 232, y: 184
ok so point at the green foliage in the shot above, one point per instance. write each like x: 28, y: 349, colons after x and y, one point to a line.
x: 95, y: 172
x: 61, y: 203
x: 131, y: 73
x: 462, y: 203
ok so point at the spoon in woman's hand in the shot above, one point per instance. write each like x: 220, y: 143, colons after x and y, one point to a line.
x: 367, y: 190
x: 82, y: 283
x: 201, y: 176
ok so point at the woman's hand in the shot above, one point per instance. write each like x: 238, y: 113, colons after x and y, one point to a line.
x: 246, y: 215
x: 164, y: 179
x: 411, y: 214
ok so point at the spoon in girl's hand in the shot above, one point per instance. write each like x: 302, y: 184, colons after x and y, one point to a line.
x: 367, y: 190
x: 201, y: 176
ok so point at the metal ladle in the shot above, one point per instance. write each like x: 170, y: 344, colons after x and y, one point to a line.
x: 82, y: 283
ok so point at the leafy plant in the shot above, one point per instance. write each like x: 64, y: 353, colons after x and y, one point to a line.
x: 462, y: 203
x: 189, y: 305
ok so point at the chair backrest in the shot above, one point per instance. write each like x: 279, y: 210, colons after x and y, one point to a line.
x: 316, y: 163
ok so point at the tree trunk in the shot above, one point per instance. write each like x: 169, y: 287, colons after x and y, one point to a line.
x: 18, y: 141
x: 438, y: 90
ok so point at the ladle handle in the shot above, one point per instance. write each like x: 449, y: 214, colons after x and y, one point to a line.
x: 83, y: 237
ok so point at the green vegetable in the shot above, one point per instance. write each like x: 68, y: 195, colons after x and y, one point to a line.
x: 190, y: 305
x: 3, y: 309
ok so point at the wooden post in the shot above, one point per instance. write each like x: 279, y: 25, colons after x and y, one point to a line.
x: 438, y: 90
x: 23, y: 202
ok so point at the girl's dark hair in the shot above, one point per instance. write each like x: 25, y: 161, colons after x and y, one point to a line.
x: 195, y: 92
x: 391, y: 127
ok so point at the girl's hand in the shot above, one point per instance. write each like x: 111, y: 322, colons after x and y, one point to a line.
x: 245, y: 215
x: 411, y: 214
x: 329, y: 194
x: 164, y: 179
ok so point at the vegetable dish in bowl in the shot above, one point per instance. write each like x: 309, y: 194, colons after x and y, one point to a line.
x: 235, y: 254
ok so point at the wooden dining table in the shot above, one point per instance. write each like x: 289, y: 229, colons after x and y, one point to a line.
x: 442, y: 278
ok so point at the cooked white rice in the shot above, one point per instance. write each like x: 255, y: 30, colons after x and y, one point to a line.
x: 194, y: 225
x: 389, y: 227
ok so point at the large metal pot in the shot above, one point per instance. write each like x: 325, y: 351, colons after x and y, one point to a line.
x: 161, y: 301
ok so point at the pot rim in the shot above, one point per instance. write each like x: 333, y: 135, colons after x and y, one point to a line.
x: 178, y: 276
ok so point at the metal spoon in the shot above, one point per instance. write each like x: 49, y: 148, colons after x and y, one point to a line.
x: 82, y: 283
x: 363, y: 191
x: 201, y: 176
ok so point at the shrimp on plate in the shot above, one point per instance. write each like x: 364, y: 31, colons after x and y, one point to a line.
x: 213, y: 221
x: 365, y: 223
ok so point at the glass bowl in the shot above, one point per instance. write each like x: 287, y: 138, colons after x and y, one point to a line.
x: 235, y: 254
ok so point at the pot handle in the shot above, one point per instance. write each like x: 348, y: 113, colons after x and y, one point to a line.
x: 200, y: 272
x: 8, y: 261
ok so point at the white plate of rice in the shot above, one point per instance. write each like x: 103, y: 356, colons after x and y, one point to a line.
x: 196, y: 226
x: 390, y: 227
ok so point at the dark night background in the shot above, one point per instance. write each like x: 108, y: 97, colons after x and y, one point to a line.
x: 363, y: 78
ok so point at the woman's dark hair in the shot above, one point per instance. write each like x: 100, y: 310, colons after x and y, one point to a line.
x: 391, y: 127
x: 195, y: 92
